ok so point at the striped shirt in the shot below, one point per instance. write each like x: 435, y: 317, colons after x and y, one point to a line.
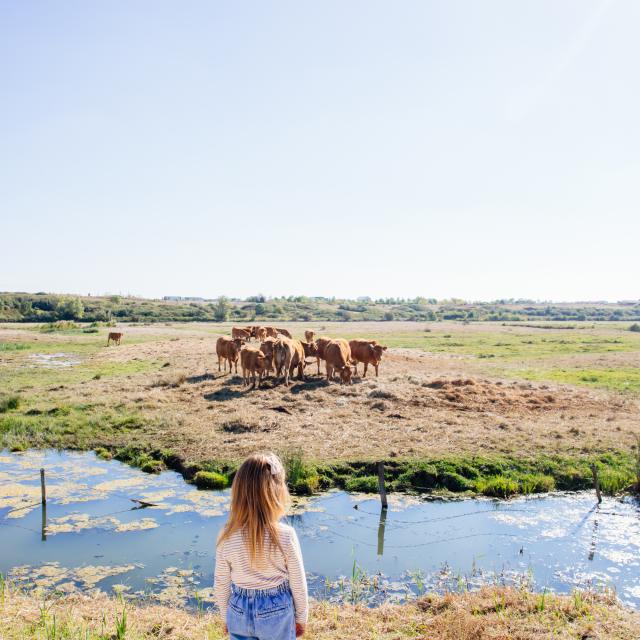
x: 234, y: 565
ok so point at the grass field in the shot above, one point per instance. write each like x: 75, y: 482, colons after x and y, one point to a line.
x: 446, y: 391
x: 488, y: 614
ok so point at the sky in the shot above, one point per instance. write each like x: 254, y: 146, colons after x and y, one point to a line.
x: 449, y: 148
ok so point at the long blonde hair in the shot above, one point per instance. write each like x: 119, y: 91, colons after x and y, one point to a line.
x: 259, y: 498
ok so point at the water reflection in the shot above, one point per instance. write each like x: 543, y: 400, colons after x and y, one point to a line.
x: 90, y: 535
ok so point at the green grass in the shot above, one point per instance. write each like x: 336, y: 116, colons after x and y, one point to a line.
x: 9, y: 403
x: 14, y: 346
x: 626, y: 379
x: 210, y: 480
x: 527, y: 345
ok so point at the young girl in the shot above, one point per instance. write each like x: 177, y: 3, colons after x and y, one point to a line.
x: 260, y: 584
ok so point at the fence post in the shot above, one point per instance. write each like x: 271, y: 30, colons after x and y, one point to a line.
x: 596, y: 483
x: 43, y: 488
x: 381, y: 487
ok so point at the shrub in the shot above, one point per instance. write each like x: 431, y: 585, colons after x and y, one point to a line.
x: 366, y: 484
x: 8, y: 403
x: 103, y: 453
x: 497, y: 486
x: 635, y: 327
x: 210, y: 480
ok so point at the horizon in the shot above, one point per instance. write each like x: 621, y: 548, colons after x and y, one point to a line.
x: 486, y: 149
x: 198, y: 298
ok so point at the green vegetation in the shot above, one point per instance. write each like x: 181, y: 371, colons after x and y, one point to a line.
x: 42, y: 307
x: 303, y: 478
x: 9, y: 403
x: 626, y: 379
x: 210, y: 480
x: 635, y: 327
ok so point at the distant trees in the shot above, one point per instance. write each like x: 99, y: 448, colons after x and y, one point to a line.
x: 71, y: 309
x: 221, y: 309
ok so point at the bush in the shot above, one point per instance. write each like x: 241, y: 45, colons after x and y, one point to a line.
x: 302, y: 478
x: 497, y: 486
x: 365, y: 484
x: 103, y: 453
x: 635, y: 327
x: 210, y: 480
x: 8, y: 403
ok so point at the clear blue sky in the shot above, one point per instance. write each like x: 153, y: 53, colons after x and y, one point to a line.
x: 451, y: 148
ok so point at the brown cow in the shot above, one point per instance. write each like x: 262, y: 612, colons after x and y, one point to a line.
x: 116, y: 337
x: 368, y: 352
x: 309, y: 336
x: 284, y: 332
x: 321, y: 343
x: 228, y: 349
x: 240, y: 332
x: 253, y: 362
x: 261, y: 334
x: 267, y: 348
x: 310, y: 349
x: 337, y: 355
x: 287, y: 355
x: 272, y: 332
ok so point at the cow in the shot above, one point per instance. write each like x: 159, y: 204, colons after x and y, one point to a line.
x: 240, y: 332
x: 309, y: 336
x: 321, y: 343
x: 288, y: 354
x: 337, y: 355
x: 284, y: 332
x: 272, y: 332
x: 253, y: 362
x: 115, y: 337
x: 228, y: 349
x: 261, y: 334
x: 310, y: 349
x: 267, y: 348
x: 368, y: 352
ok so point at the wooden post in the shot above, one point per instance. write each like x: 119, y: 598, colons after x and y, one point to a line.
x: 381, y: 487
x: 596, y: 483
x: 43, y: 488
x: 381, y: 525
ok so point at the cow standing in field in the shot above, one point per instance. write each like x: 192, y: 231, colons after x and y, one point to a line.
x: 228, y: 350
x: 288, y: 355
x: 253, y: 363
x: 321, y: 343
x: 261, y: 334
x: 309, y: 336
x: 337, y: 355
x: 272, y: 332
x: 367, y: 352
x: 267, y: 348
x: 240, y: 333
x: 310, y: 349
x: 115, y: 337
x: 284, y: 332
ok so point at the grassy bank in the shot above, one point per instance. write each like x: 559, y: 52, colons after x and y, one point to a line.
x: 499, y: 477
x: 494, y: 613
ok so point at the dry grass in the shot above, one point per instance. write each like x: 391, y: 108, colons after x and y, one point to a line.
x: 492, y: 613
x: 423, y: 404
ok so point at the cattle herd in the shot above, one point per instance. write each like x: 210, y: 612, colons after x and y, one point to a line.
x: 280, y: 354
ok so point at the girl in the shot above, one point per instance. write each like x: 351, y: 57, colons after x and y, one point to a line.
x: 260, y: 584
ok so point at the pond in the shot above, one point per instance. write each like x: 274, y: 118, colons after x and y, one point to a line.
x: 92, y: 536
